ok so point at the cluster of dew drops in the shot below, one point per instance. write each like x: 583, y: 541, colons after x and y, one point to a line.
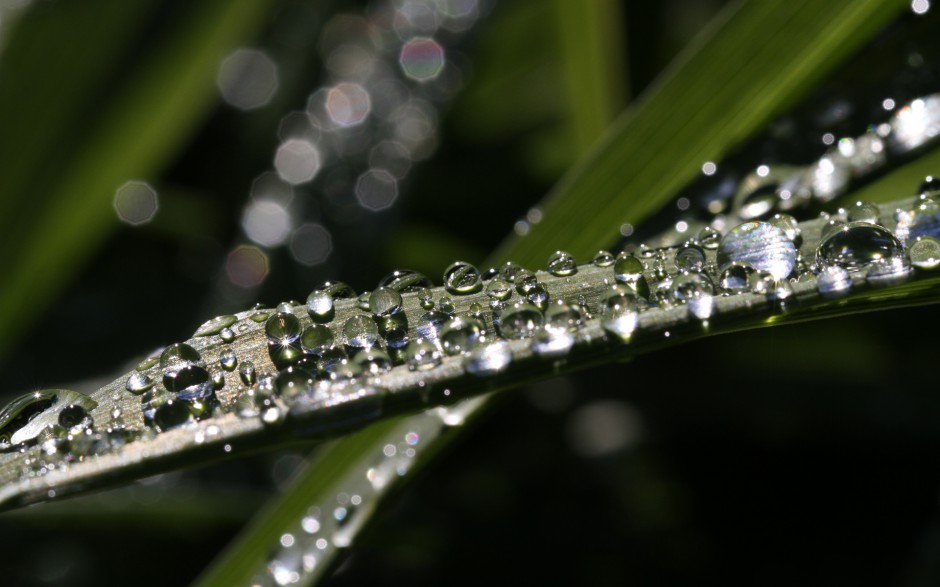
x: 325, y: 360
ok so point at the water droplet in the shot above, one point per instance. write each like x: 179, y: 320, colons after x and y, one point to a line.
x: 385, y: 301
x: 138, y: 383
x: 228, y: 360
x: 857, y: 244
x: 708, y: 238
x: 488, y: 359
x: 552, y: 343
x: 316, y: 339
x: 925, y: 252
x: 405, y: 281
x: 292, y: 382
x: 764, y: 246
x: 734, y: 277
x: 863, y: 212
x: 499, y: 290
x: 247, y: 373
x: 361, y: 332
x: 789, y: 226
x: 373, y: 361
x: 509, y: 270
x: 603, y: 259
x: 259, y: 317
x: 147, y: 363
x: 179, y: 379
x: 562, y: 316
x: 462, y: 278
x: 923, y: 220
x: 421, y: 355
x: 74, y: 417
x: 363, y: 301
x: 889, y: 271
x: 218, y: 379
x: 690, y: 257
x: 216, y: 325
x: 337, y: 290
x: 425, y: 298
x: 320, y: 306
x: 562, y: 264
x: 179, y: 354
x: 696, y: 291
x: 227, y: 335
x: 629, y: 271
x: 833, y: 282
x: 171, y: 414
x: 620, y: 323
x: 283, y: 328
x: 446, y: 305
x: 460, y: 335
x: 521, y: 320
x: 430, y: 324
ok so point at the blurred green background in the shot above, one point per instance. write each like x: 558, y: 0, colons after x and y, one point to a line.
x: 800, y: 455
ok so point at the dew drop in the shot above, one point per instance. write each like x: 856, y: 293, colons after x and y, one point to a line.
x: 462, y: 278
x: 620, y: 323
x: 178, y: 354
x: 460, y: 335
x: 247, y: 373
x: 405, y: 281
x: 789, y: 226
x: 697, y: 292
x: 373, y: 361
x: 282, y: 328
x: 171, y: 414
x: 488, y: 359
x: 603, y: 259
x: 562, y: 264
x: 562, y: 316
x: 857, y: 244
x: 337, y: 290
x: 425, y: 298
x: 863, y: 212
x: 384, y: 301
x: 708, y: 238
x: 320, y: 306
x: 690, y: 258
x: 430, y: 324
x: 509, y: 270
x: 138, y: 383
x: 552, y: 343
x: 764, y: 246
x: 421, y: 355
x: 292, y: 382
x: 227, y: 335
x: 499, y: 290
x: 216, y: 325
x: 833, y: 282
x: 316, y: 339
x: 521, y: 320
x: 925, y: 252
x: 734, y: 277
x: 361, y: 332
x: 228, y: 360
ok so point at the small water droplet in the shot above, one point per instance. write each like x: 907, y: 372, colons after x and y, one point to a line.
x: 405, y: 281
x: 179, y: 354
x: 708, y: 238
x: 292, y: 382
x: 227, y: 335
x: 446, y: 305
x: 171, y: 414
x: 384, y: 301
x: 316, y: 339
x: 603, y: 259
x: 697, y: 292
x: 690, y: 258
x: 488, y: 359
x: 337, y: 290
x: 620, y: 322
x: 373, y: 361
x: 460, y: 335
x: 629, y: 271
x: 562, y: 264
x: 498, y: 289
x: 462, y: 278
x: 421, y: 355
x: 216, y: 325
x: 361, y: 332
x: 863, y: 212
x: 734, y: 277
x: 320, y: 306
x: 789, y: 226
x: 259, y: 317
x: 147, y: 363
x: 552, y: 343
x: 764, y: 246
x: 521, y: 320
x: 426, y: 298
x: 228, y: 360
x: 833, y: 282
x: 247, y: 373
x: 925, y: 252
x: 138, y: 383
x: 562, y: 316
x: 283, y: 328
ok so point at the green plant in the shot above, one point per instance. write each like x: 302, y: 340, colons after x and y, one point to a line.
x: 728, y: 106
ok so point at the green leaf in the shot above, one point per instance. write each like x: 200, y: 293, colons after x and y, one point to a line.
x: 72, y: 167
x: 756, y: 59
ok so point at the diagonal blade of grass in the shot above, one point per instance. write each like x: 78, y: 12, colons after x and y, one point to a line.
x: 724, y: 87
x: 153, y: 112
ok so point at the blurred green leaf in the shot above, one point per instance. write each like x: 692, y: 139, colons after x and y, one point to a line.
x: 756, y: 59
x: 77, y: 130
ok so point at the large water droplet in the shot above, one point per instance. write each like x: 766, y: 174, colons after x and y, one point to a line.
x: 690, y: 258
x: 460, y: 335
x: 488, y: 359
x: 735, y: 277
x: 857, y: 244
x: 179, y: 353
x: 764, y: 246
x: 384, y: 301
x: 405, y: 281
x: 521, y: 320
x: 216, y: 325
x: 462, y: 278
x: 138, y: 383
x: 925, y: 252
x: 320, y: 306
x: 562, y: 264
x: 361, y: 332
x: 283, y: 328
x: 316, y: 339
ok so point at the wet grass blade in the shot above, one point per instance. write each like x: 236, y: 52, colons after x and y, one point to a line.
x: 755, y: 60
x: 149, y: 114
